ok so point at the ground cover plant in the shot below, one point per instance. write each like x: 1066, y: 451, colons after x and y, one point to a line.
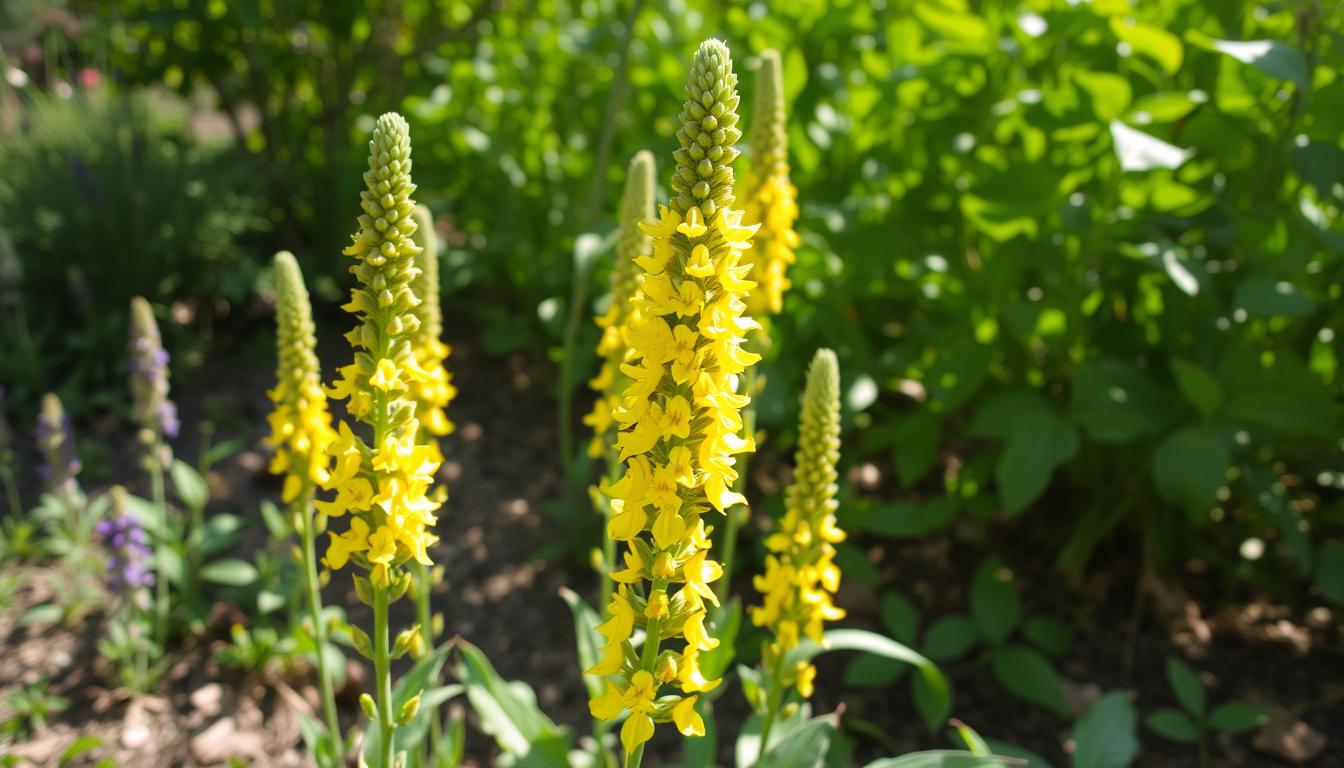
x: 961, y: 384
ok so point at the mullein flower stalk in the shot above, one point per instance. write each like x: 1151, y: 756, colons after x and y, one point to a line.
x: 301, y: 434
x: 613, y: 348
x: 801, y: 577
x: 771, y: 203
x: 156, y: 416
x: 680, y: 422
x: 383, y: 485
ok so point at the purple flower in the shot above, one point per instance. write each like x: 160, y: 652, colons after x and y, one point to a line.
x: 128, y: 560
x: 148, y: 366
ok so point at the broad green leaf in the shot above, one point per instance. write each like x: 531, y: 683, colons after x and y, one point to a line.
x: 950, y: 637
x: 1050, y: 635
x: 1153, y: 42
x: 1272, y: 57
x: 189, y: 485
x: 1173, y: 724
x: 588, y: 640
x: 965, y: 33
x: 1330, y: 571
x: 1263, y: 296
x: 748, y: 745
x: 1238, y: 717
x: 508, y: 711
x: 939, y: 693
x: 995, y: 607
x: 230, y: 572
x: 1200, y: 387
x: 1109, y: 94
x: 1139, y: 151
x: 1032, y: 759
x: 78, y: 747
x: 940, y: 758
x: 219, y: 532
x: 1187, y: 687
x: 1030, y: 676
x: 1105, y: 736
x: 1040, y: 442
x: 916, y: 446
x: 900, y: 617
x: 867, y: 671
x: 1164, y: 107
x: 803, y: 746
x: 1189, y: 467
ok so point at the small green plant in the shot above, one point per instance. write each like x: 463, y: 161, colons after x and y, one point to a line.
x: 256, y: 650
x: 33, y: 707
x: 1192, y: 721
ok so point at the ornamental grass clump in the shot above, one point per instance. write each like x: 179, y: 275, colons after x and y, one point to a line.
x: 382, y: 485
x: 679, y: 422
x: 301, y: 434
x: 801, y: 578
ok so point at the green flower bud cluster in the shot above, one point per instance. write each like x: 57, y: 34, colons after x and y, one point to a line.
x: 704, y: 175
x: 769, y: 127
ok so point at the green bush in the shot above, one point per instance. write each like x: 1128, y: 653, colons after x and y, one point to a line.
x: 109, y: 197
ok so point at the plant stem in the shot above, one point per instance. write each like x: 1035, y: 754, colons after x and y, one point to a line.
x: 304, y: 510
x: 382, y: 675
x: 160, y: 551
x: 772, y: 704
x: 11, y: 490
x: 648, y: 657
x: 424, y: 583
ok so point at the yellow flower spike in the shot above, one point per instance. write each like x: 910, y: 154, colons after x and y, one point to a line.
x: 435, y: 391
x: 381, y: 388
x: 800, y: 577
x: 771, y: 200
x: 632, y: 246
x: 679, y: 416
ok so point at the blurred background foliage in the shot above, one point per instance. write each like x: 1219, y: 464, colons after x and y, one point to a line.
x: 1086, y: 252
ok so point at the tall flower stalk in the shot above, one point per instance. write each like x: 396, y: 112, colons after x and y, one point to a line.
x: 130, y: 576
x: 383, y: 484
x: 771, y: 203
x: 156, y: 417
x: 301, y: 434
x: 801, y: 578
x: 56, y: 443
x: 610, y: 382
x: 680, y: 422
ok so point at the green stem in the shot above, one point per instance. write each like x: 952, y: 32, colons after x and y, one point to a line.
x: 303, y: 508
x: 424, y: 583
x: 382, y: 675
x: 11, y: 490
x: 772, y: 704
x: 648, y: 657
x: 160, y: 551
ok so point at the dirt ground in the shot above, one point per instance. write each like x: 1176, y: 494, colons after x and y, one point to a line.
x: 502, y: 471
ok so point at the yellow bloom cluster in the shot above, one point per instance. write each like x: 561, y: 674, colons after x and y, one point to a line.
x: 680, y: 420
x: 772, y: 201
x: 301, y: 428
x: 432, y: 395
x: 383, y: 484
x: 800, y: 573
x: 632, y: 244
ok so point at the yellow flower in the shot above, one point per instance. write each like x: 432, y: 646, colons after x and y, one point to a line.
x: 772, y: 200
x: 435, y: 391
x: 801, y: 578
x: 384, y: 487
x: 301, y: 430
x: 679, y: 417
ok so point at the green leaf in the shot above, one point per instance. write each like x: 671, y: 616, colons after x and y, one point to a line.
x: 229, y: 572
x: 1004, y: 749
x: 900, y: 617
x: 1164, y: 107
x: 916, y: 446
x: 940, y: 694
x: 1189, y: 467
x: 1263, y: 296
x: 78, y: 747
x: 1153, y: 42
x: 588, y: 640
x: 1272, y: 57
x: 950, y: 637
x: 1105, y: 736
x: 219, y: 532
x: 994, y: 602
x: 1330, y: 571
x: 1030, y: 676
x: 1138, y: 151
x: 873, y: 672
x: 965, y: 33
x: 189, y: 485
x: 748, y: 745
x: 1173, y: 724
x: 508, y: 711
x: 1238, y: 717
x: 1050, y: 635
x: 1199, y: 386
x: 940, y: 758
x: 803, y: 746
x: 1039, y: 443
x: 1109, y: 94
x: 47, y: 613
x: 727, y: 623
x: 1185, y: 683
